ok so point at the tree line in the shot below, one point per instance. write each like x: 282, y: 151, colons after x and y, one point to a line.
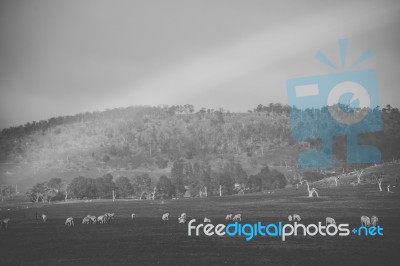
x: 186, y: 180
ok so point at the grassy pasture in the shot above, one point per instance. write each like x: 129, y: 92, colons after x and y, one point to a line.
x: 150, y: 241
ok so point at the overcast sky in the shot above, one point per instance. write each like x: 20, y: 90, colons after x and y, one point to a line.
x: 65, y: 57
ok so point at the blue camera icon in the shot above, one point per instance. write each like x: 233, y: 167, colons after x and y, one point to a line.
x: 339, y: 104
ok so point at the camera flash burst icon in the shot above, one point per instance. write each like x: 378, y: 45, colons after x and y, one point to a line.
x: 336, y: 104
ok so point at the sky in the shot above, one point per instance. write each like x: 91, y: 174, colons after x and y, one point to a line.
x: 66, y: 57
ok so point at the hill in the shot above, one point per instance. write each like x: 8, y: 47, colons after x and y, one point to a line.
x: 144, y: 139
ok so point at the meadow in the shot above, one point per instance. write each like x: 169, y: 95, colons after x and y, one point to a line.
x: 148, y: 240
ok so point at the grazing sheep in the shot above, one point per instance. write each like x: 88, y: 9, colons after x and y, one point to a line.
x: 93, y: 219
x: 290, y: 218
x: 44, y: 217
x: 102, y: 219
x: 228, y: 217
x: 165, y: 216
x: 206, y: 220
x: 365, y: 221
x: 69, y: 221
x: 5, y: 222
x: 109, y: 216
x: 181, y: 220
x: 329, y: 220
x: 133, y: 216
x: 237, y: 217
x: 374, y: 220
x: 296, y: 217
x: 183, y: 215
x: 86, y: 220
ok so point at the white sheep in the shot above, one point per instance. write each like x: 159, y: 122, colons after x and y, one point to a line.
x: 165, y: 216
x: 296, y: 217
x: 365, y: 221
x: 329, y: 220
x: 374, y: 220
x: 229, y: 217
x: 237, y: 217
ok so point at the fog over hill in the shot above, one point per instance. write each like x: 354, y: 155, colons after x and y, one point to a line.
x: 145, y: 139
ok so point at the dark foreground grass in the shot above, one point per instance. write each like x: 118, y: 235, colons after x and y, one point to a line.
x: 150, y: 241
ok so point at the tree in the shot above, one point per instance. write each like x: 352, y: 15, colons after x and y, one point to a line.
x: 124, y: 187
x: 379, y: 180
x: 336, y: 178
x: 58, y: 188
x: 225, y: 184
x: 277, y: 180
x: 271, y: 179
x: 105, y: 186
x: 359, y: 174
x: 6, y: 191
x: 39, y: 193
x: 235, y: 171
x: 254, y: 183
x: 165, y: 187
x: 55, y: 183
x: 81, y: 187
x: 311, y: 191
x: 177, y: 177
x: 142, y: 184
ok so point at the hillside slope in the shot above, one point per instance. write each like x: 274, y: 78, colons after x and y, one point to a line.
x: 127, y: 141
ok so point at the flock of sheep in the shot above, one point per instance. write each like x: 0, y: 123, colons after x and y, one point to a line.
x: 182, y: 218
x: 365, y: 220
x: 102, y: 219
x: 89, y: 219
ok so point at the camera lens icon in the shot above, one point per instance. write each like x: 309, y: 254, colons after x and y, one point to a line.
x: 338, y: 104
x: 348, y: 102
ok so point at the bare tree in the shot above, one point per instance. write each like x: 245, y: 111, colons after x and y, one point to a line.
x: 379, y: 180
x: 203, y: 192
x: 336, y: 178
x: 154, y: 192
x: 359, y: 176
x: 311, y: 191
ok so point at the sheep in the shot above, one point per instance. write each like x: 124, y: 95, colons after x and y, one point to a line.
x: 69, y: 221
x: 365, y: 221
x: 44, y: 217
x: 228, y: 217
x: 133, y: 216
x: 181, y: 220
x: 165, y: 216
x: 93, y: 219
x: 183, y: 215
x: 329, y: 220
x: 207, y: 220
x: 237, y: 217
x: 109, y: 216
x: 296, y: 217
x: 86, y: 220
x: 102, y: 219
x: 374, y: 220
x: 5, y: 222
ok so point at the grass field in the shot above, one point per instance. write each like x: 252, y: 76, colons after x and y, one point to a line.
x: 150, y: 241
